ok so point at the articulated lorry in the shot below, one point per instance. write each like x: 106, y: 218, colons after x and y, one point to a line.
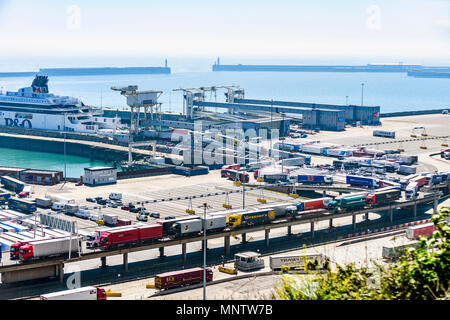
x: 182, y: 278
x: 362, y: 181
x: 314, y: 179
x: 49, y: 248
x: 23, y: 205
x: 85, y: 293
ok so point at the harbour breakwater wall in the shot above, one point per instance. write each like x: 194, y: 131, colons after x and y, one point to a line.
x: 411, y: 113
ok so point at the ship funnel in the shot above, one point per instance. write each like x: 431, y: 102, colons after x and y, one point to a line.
x: 40, y: 83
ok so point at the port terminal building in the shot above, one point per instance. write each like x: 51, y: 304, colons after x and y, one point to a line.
x: 240, y: 112
x: 95, y: 176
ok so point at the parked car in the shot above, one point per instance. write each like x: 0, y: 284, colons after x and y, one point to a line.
x: 169, y: 218
x: 91, y: 200
x: 137, y: 209
x: 126, y: 208
x: 79, y: 184
x: 155, y: 215
x: 102, y: 202
x: 113, y: 205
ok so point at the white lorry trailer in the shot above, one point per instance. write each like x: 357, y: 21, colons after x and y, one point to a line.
x: 85, y: 293
x: 297, y: 261
x: 49, y: 248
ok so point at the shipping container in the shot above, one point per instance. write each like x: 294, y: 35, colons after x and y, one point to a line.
x: 167, y: 224
x: 394, y: 251
x: 421, y: 230
x: 23, y: 205
x: 298, y: 261
x: 299, y: 161
x: 313, y: 148
x: 214, y: 223
x: 182, y: 278
x: 12, y: 184
x: 403, y: 169
x: 150, y: 232
x: 110, y: 219
x: 186, y: 227
x: 4, y: 197
x: 70, y: 208
x: 123, y: 222
x: 43, y: 202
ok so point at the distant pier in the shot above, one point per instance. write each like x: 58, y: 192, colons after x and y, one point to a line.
x: 75, y: 72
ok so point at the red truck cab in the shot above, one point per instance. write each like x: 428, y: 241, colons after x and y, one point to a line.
x: 26, y: 252
x: 101, y: 294
x: 14, y: 250
x: 371, y: 199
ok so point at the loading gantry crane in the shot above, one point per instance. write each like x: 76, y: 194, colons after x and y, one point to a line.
x: 137, y: 100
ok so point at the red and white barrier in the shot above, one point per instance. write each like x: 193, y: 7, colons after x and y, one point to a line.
x: 359, y: 234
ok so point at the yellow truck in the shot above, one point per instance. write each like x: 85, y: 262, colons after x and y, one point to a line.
x: 249, y: 218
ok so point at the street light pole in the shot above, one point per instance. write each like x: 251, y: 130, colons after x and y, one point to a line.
x: 282, y: 157
x: 243, y: 189
x: 271, y: 107
x: 362, y: 94
x: 65, y: 163
x: 205, y: 205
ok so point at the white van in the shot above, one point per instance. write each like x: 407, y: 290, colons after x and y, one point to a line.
x: 57, y: 206
x: 115, y: 196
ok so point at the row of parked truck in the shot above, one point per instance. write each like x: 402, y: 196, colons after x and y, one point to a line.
x: 138, y: 234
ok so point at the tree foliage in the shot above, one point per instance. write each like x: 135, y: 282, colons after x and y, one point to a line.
x: 421, y: 273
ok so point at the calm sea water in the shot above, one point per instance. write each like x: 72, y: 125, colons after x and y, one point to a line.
x: 392, y: 92
x: 49, y: 161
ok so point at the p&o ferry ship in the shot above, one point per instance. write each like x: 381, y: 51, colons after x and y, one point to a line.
x: 35, y: 108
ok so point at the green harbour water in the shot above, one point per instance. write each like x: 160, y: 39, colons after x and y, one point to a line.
x: 47, y: 161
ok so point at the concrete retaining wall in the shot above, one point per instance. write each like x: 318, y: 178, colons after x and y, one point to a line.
x: 30, y: 274
x: 72, y: 148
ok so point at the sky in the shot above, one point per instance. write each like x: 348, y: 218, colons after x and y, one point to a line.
x: 411, y: 31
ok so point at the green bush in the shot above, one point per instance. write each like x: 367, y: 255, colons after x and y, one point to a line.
x: 422, y: 273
